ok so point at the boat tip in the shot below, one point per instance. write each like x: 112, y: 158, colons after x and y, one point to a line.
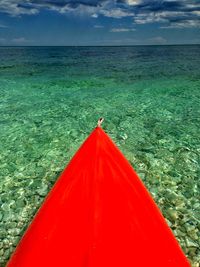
x: 100, y: 121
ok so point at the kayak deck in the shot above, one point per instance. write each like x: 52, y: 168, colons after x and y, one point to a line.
x: 98, y: 214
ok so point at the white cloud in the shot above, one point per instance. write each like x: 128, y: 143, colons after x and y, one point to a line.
x: 20, y: 41
x: 122, y: 30
x: 192, y: 6
x: 16, y: 41
x: 133, y: 2
x: 182, y: 25
x: 149, y: 18
x: 116, y: 13
x: 94, y: 16
x: 157, y: 40
x: 171, y: 14
x: 31, y: 7
x: 13, y: 8
x: 3, y: 26
x: 81, y: 10
x: 124, y: 41
x: 98, y: 26
x: 170, y: 19
x: 197, y: 12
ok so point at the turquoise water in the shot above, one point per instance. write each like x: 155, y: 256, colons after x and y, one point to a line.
x: 50, y: 100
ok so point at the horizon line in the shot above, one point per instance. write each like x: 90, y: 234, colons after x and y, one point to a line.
x: 125, y: 45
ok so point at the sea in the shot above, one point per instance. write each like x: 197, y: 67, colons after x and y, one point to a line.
x: 51, y: 99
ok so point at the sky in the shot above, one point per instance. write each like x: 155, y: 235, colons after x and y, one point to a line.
x: 99, y: 22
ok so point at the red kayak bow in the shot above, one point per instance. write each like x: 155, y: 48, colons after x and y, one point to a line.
x: 98, y: 214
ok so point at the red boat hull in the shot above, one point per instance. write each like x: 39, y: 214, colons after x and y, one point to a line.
x: 98, y: 214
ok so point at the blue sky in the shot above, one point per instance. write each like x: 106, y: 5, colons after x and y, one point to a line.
x: 99, y: 22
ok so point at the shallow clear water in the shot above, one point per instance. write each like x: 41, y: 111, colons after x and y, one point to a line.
x: 50, y: 100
